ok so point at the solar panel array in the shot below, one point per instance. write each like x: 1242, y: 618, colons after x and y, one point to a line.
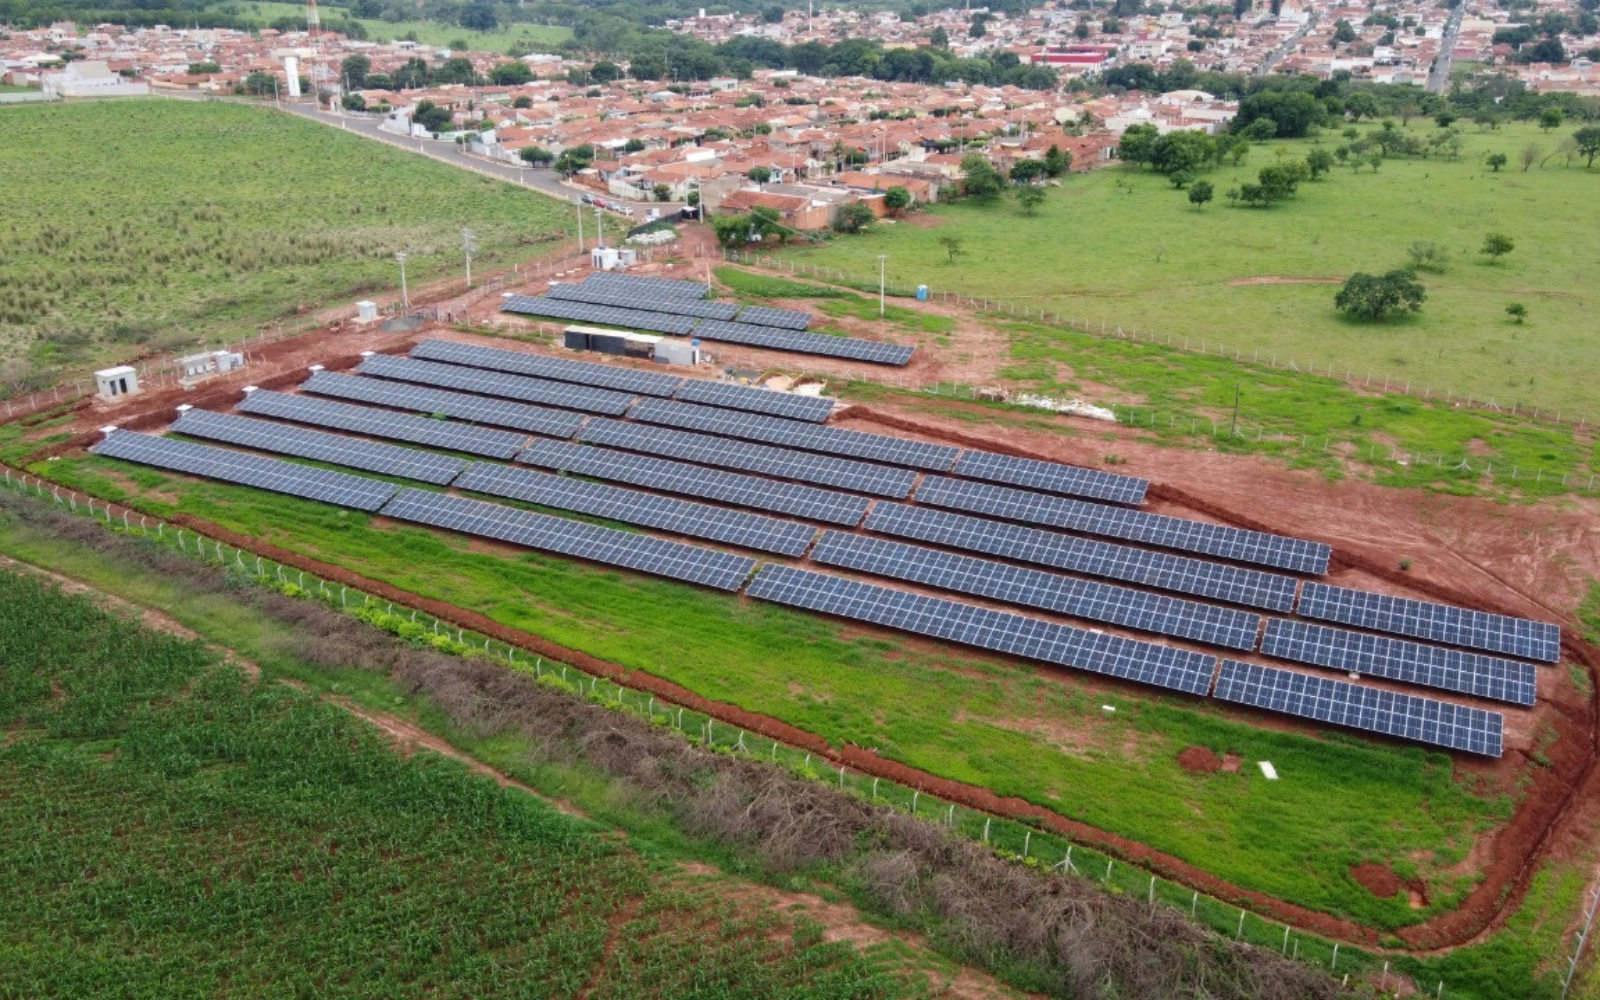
x: 1238, y: 544
x: 1037, y: 589
x: 1406, y: 716
x: 273, y: 474
x: 808, y: 502
x: 588, y: 312
x: 861, y: 477
x: 616, y: 377
x: 264, y: 435
x: 1397, y: 659
x: 795, y: 434
x: 656, y: 288
x: 756, y: 400
x: 787, y: 319
x: 417, y: 399
x: 683, y: 517
x: 600, y: 296
x: 381, y: 423
x: 1052, y: 477
x: 675, y: 560
x: 524, y: 388
x: 1182, y: 574
x: 1002, y: 631
x: 801, y: 342
x: 1522, y: 637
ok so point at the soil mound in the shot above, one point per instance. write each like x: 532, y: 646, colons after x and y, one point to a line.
x: 1200, y: 760
x: 1377, y: 879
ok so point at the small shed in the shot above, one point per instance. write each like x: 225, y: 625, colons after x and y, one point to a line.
x: 114, y: 383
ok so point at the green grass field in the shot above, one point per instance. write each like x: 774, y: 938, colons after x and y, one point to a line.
x: 968, y: 717
x: 239, y: 215
x: 535, y: 36
x: 169, y: 829
x: 1125, y: 248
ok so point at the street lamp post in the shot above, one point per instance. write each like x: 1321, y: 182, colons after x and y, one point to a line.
x: 405, y: 297
x: 469, y: 244
x: 881, y: 284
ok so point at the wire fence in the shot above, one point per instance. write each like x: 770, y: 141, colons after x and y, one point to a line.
x: 994, y: 305
x: 1025, y: 843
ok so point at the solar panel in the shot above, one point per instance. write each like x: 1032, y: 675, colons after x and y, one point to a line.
x: 616, y: 377
x: 417, y: 399
x: 1052, y: 477
x: 657, y: 556
x: 1238, y: 544
x: 1531, y: 640
x: 800, y: 342
x: 264, y: 435
x: 757, y: 400
x: 1399, y: 660
x: 1182, y: 574
x: 524, y: 388
x: 1002, y: 631
x: 600, y: 296
x: 861, y: 477
x: 1037, y: 589
x: 796, y: 434
x: 273, y: 474
x: 682, y: 517
x: 787, y: 319
x: 662, y: 288
x: 588, y: 312
x: 465, y: 438
x: 808, y: 502
x: 1424, y: 720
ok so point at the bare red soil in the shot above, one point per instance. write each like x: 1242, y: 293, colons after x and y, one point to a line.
x: 1200, y: 760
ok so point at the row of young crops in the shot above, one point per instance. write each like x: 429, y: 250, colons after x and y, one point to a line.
x: 169, y: 829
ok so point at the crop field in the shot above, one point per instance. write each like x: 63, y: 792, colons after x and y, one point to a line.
x: 956, y: 714
x: 173, y: 829
x: 241, y: 215
x: 1123, y: 247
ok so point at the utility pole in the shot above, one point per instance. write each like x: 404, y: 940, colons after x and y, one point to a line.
x: 1234, y: 428
x: 882, y: 257
x: 579, y: 206
x: 405, y: 297
x: 469, y: 244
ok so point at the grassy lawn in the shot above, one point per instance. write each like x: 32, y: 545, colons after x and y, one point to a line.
x: 240, y: 216
x: 537, y: 36
x: 1124, y: 248
x: 968, y: 717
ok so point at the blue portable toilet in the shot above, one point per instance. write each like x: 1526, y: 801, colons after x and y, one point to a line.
x: 922, y: 293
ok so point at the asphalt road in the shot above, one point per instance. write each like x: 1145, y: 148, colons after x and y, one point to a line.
x: 1439, y: 78
x: 1287, y: 46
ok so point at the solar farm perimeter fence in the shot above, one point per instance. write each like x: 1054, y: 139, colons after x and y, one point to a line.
x: 1017, y: 841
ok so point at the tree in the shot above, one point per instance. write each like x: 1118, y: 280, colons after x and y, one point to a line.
x: 605, y: 71
x: 1497, y: 245
x: 478, y: 16
x: 1138, y: 142
x: 510, y: 74
x: 203, y: 68
x: 1260, y: 130
x: 522, y: 103
x: 954, y: 247
x: 897, y: 199
x: 662, y: 192
x: 731, y: 230
x: 1428, y: 256
x: 648, y: 66
x: 1517, y: 311
x: 1588, y: 140
x: 1082, y: 31
x: 1495, y: 161
x: 1551, y: 118
x: 633, y: 145
x: 854, y: 218
x: 1529, y: 155
x: 1344, y: 31
x: 1057, y: 162
x: 939, y: 39
x: 456, y: 69
x: 1293, y: 113
x: 1030, y: 198
x: 536, y: 155
x: 1200, y: 192
x: 1027, y: 171
x: 354, y: 70
x: 1180, y: 178
x: 1319, y: 161
x: 1372, y: 297
x: 1445, y: 119
x: 773, y: 15
x: 1238, y: 151
x: 982, y: 179
x: 1182, y: 151
x: 431, y: 116
x: 260, y: 84
x: 1361, y: 105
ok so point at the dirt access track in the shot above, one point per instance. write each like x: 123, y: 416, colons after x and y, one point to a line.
x: 1530, y: 561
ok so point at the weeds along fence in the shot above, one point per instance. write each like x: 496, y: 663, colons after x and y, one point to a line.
x: 1005, y: 307
x: 1021, y: 842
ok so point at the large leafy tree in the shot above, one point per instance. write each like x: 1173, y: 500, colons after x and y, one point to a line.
x: 983, y: 180
x: 1372, y: 297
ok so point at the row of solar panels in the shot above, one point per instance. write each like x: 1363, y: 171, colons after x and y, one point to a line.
x: 1516, y: 637
x: 750, y: 334
x: 1424, y: 665
x: 640, y: 293
x: 1129, y: 659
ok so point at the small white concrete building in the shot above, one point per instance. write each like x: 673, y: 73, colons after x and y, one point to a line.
x: 114, y: 383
